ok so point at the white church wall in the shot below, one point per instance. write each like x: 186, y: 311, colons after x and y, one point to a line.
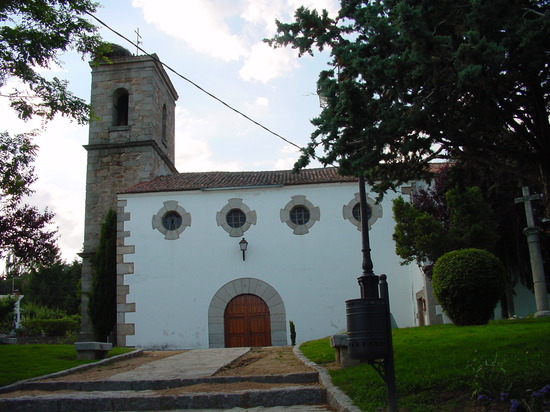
x: 174, y: 281
x: 524, y: 302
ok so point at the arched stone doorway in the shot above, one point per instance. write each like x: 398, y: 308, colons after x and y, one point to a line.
x: 244, y: 286
x: 247, y: 322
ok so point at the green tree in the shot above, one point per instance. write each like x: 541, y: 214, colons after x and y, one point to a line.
x: 102, y: 307
x: 55, y: 286
x: 7, y: 307
x: 32, y: 37
x: 412, y: 81
x: 463, y: 220
x: 26, y: 237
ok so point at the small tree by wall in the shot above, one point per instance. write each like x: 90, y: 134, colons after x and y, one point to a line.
x: 439, y: 220
x: 468, y: 283
x: 102, y: 307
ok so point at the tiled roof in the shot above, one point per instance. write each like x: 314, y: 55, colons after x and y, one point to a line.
x: 215, y: 180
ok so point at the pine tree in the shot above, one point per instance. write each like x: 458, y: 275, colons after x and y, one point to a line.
x: 102, y: 307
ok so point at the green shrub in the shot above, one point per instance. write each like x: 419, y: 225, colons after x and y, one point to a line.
x: 31, y: 310
x: 49, y: 327
x: 7, y: 306
x: 468, y: 283
x: 292, y: 333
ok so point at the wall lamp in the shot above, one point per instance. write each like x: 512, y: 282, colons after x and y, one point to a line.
x: 243, y: 244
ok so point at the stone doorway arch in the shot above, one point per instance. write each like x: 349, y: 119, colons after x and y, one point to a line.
x: 230, y: 290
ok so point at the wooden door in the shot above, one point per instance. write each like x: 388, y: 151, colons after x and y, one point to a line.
x: 247, y: 322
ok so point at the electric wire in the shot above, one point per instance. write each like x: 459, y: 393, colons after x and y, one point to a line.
x: 192, y: 82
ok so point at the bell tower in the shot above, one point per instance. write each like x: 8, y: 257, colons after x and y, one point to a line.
x: 131, y: 139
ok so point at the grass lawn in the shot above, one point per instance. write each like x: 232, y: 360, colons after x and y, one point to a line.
x: 447, y: 368
x: 20, y: 362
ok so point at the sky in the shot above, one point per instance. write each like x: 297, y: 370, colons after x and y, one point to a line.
x: 217, y: 44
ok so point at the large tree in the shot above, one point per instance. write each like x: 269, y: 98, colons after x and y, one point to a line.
x: 33, y: 34
x: 26, y: 235
x: 413, y: 81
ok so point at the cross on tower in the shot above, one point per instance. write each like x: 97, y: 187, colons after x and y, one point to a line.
x: 138, y: 41
x: 532, y: 233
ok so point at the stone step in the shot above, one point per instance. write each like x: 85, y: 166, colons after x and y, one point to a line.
x: 158, y: 384
x: 150, y: 400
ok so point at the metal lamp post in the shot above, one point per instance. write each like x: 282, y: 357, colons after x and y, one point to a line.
x: 369, y: 318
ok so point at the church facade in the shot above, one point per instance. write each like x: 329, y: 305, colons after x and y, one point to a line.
x: 221, y: 259
x: 190, y: 285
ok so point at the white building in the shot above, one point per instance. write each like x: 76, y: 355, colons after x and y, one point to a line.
x: 183, y: 280
x: 186, y: 274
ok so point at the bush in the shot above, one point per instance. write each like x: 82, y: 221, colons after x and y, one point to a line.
x: 44, y: 321
x: 49, y: 327
x: 34, y: 311
x: 7, y: 306
x: 468, y: 283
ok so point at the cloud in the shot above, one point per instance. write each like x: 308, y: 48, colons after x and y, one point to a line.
x: 231, y: 30
x: 262, y: 101
x: 202, y: 25
x: 265, y: 63
x: 193, y: 152
x: 263, y: 13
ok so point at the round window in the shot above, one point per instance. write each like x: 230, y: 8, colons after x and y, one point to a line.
x: 172, y: 220
x: 299, y: 215
x: 235, y: 218
x: 356, y: 212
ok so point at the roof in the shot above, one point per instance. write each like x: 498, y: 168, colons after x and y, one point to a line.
x: 224, y: 180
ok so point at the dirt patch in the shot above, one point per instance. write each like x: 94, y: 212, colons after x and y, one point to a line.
x: 274, y: 360
x: 105, y: 371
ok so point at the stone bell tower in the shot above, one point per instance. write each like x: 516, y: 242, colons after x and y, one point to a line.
x: 131, y: 140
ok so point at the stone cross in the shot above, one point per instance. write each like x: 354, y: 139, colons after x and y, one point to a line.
x: 537, y: 268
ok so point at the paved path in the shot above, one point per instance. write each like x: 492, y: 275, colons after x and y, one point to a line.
x: 196, y: 363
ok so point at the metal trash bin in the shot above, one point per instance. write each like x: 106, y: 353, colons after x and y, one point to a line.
x: 367, y: 334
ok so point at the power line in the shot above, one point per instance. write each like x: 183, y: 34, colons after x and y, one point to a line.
x: 192, y: 82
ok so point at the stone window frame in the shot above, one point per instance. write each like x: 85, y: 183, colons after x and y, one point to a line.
x: 376, y: 211
x: 314, y: 214
x: 236, y: 203
x: 171, y: 206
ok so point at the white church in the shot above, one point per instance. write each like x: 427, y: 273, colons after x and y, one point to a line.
x: 224, y: 259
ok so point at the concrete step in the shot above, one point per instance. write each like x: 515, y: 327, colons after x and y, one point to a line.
x: 151, y: 400
x: 159, y: 384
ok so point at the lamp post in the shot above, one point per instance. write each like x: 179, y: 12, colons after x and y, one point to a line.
x: 369, y: 318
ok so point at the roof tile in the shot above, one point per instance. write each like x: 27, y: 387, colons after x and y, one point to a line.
x: 218, y: 180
